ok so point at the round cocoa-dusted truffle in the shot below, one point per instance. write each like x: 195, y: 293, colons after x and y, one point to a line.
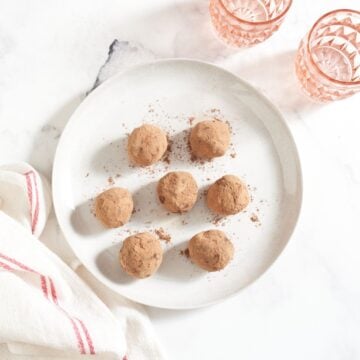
x: 211, y: 250
x: 147, y: 144
x: 141, y: 255
x: 114, y: 207
x: 228, y: 195
x: 209, y: 139
x: 177, y: 191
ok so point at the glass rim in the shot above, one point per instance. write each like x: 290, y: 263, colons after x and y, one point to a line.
x: 340, y: 82
x: 282, y: 14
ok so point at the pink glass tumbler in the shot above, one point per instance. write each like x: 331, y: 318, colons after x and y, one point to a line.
x: 328, y: 59
x: 244, y: 23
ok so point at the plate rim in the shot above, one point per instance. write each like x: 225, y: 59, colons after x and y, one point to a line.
x: 56, y: 194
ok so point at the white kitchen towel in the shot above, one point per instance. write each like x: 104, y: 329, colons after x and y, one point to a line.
x: 23, y: 192
x: 46, y: 310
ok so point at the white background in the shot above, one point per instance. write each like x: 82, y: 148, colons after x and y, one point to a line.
x: 307, y: 306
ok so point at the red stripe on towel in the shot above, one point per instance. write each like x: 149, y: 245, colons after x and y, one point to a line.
x: 19, y: 264
x: 88, y: 338
x: 54, y: 298
x: 6, y: 267
x: 80, y: 342
x: 79, y: 339
x: 43, y: 285
x: 30, y: 196
x: 37, y: 206
x: 32, y: 185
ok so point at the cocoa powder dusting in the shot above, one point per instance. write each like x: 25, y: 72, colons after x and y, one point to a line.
x: 216, y: 220
x: 185, y: 253
x: 163, y: 235
x: 146, y: 145
x: 233, y: 194
x: 177, y: 191
x: 111, y: 181
x: 230, y: 127
x: 209, y: 139
x: 166, y: 157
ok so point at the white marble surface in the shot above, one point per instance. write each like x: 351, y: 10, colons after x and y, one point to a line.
x: 307, y: 305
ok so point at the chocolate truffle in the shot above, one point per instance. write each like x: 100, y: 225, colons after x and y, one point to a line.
x: 114, y: 207
x: 141, y: 255
x: 146, y: 145
x: 209, y: 139
x: 177, y: 191
x: 228, y: 195
x: 211, y: 250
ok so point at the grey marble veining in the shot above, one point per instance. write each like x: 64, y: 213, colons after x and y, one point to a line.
x: 121, y: 56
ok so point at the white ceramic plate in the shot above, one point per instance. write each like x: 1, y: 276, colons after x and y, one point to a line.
x: 92, y: 154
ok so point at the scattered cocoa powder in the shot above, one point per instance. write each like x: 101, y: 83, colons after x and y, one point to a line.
x: 185, y: 253
x: 254, y: 218
x: 166, y: 157
x: 230, y: 127
x: 111, y: 181
x: 163, y: 235
x: 216, y: 220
